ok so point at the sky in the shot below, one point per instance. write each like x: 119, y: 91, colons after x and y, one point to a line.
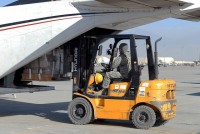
x: 5, y: 2
x: 180, y: 38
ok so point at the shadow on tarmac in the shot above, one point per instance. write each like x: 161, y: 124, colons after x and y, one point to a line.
x: 191, y: 82
x: 195, y: 94
x: 118, y: 123
x: 49, y: 111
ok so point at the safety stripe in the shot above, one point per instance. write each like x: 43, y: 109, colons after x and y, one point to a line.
x: 36, y: 23
x: 19, y: 24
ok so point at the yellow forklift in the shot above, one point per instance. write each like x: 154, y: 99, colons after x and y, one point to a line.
x: 146, y: 103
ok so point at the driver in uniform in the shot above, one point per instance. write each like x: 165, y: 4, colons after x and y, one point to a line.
x: 121, y: 66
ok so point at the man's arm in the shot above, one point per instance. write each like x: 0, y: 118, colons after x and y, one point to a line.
x: 116, y: 62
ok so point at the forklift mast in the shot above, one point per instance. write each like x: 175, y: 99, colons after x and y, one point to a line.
x: 82, y: 50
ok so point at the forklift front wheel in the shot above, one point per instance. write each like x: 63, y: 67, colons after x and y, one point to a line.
x: 80, y: 111
x: 143, y: 117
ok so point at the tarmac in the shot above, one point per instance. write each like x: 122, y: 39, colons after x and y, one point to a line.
x: 46, y: 112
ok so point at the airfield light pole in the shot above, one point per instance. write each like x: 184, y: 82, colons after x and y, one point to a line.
x: 156, y: 57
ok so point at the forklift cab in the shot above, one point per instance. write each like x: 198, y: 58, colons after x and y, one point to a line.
x: 118, y: 87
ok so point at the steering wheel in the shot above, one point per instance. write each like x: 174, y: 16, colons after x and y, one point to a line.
x: 106, y: 67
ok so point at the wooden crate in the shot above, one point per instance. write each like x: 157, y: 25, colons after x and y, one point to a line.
x: 37, y: 77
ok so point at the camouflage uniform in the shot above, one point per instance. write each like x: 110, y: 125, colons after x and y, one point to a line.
x: 121, y: 67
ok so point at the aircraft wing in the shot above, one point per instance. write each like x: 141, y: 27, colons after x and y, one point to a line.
x: 181, y: 9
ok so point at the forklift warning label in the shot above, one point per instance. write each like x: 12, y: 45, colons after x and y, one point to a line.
x: 117, y: 91
x: 145, y: 84
x: 142, y: 91
x: 116, y: 86
x: 120, y: 86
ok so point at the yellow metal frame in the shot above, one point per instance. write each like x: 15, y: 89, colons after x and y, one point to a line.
x: 157, y: 94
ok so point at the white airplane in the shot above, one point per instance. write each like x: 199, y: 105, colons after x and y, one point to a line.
x: 28, y: 30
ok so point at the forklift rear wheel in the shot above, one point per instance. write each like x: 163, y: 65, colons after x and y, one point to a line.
x: 143, y: 117
x: 80, y: 111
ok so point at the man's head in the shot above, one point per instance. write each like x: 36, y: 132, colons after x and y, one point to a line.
x: 123, y: 48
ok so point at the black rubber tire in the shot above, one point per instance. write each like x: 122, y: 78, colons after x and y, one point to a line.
x: 143, y: 117
x: 160, y: 122
x: 80, y: 111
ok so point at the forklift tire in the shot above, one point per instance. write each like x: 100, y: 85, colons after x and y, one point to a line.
x: 143, y: 117
x: 80, y: 111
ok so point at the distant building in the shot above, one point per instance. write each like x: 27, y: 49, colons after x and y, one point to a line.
x: 142, y: 60
x: 184, y: 63
x: 102, y: 59
x: 197, y: 63
x: 166, y: 60
x: 161, y: 61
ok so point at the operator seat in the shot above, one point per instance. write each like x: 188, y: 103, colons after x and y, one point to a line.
x: 114, y: 80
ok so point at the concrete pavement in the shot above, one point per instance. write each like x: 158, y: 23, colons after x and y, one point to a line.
x: 46, y: 112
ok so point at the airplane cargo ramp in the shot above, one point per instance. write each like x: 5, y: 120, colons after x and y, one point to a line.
x: 25, y: 89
